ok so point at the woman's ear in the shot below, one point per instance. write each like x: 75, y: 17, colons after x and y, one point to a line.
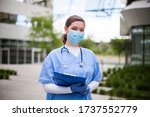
x: 65, y: 29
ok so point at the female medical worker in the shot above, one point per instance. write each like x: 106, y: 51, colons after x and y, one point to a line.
x: 73, y: 60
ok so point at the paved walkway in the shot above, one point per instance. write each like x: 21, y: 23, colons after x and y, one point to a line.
x: 25, y: 85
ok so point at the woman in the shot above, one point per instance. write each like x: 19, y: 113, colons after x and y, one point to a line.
x: 73, y: 62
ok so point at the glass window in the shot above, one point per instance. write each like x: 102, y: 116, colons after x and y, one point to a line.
x: 147, y: 30
x: 13, y: 43
x: 8, y: 18
x: 21, y: 56
x: 141, y: 45
x: 40, y: 2
x: 13, y: 56
x: 147, y: 45
x: 36, y: 57
x: 36, y: 2
x: 5, y: 43
x: 28, y: 56
x: 0, y: 43
x: 137, y: 45
x: 5, y: 55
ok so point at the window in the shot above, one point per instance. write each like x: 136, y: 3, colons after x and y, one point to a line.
x: 147, y: 45
x: 8, y: 18
x: 140, y: 44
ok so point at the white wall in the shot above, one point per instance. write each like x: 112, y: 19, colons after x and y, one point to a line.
x: 11, y: 31
x: 14, y: 7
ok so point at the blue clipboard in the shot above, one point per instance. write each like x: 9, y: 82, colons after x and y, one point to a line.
x: 68, y: 80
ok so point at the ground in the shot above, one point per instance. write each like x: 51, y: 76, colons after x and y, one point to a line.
x: 25, y: 85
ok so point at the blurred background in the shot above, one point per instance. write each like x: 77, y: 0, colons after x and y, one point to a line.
x: 117, y: 31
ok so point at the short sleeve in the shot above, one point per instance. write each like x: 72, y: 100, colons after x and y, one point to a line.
x: 47, y: 71
x: 97, y: 74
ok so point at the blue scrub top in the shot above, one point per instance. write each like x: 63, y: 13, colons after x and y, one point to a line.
x: 66, y: 62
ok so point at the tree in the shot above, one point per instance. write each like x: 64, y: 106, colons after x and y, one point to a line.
x: 118, y: 45
x: 42, y: 33
x: 87, y: 43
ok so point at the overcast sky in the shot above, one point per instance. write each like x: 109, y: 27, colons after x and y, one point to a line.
x: 101, y: 28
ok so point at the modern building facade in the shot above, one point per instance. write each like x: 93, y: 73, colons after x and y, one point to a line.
x: 14, y: 30
x: 135, y: 23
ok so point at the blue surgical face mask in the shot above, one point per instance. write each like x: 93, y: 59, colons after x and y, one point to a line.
x: 75, y: 36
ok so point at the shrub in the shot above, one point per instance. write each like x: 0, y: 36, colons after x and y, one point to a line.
x: 102, y: 91
x: 131, y: 82
x: 5, y: 73
x: 108, y: 83
x: 109, y: 71
x: 94, y: 91
x: 101, y: 84
x: 105, y: 74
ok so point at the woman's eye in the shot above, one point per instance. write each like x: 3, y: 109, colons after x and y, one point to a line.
x: 77, y: 29
x: 74, y: 28
x: 81, y: 30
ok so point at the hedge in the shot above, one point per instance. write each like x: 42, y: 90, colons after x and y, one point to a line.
x: 5, y: 73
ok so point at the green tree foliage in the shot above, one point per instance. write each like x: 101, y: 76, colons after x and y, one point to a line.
x: 42, y: 33
x: 87, y: 43
x: 103, y: 48
x: 118, y: 45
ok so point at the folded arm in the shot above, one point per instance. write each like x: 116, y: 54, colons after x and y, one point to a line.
x: 55, y: 89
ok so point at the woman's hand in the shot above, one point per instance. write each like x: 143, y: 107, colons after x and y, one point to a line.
x: 81, y: 89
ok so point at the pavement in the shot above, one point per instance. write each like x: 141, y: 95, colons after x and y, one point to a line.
x: 25, y: 85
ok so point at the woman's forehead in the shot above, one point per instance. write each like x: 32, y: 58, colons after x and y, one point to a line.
x: 78, y: 23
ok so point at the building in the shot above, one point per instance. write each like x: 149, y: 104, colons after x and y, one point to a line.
x: 135, y: 23
x: 14, y: 29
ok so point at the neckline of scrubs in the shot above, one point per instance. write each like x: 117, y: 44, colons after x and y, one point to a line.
x: 78, y: 58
